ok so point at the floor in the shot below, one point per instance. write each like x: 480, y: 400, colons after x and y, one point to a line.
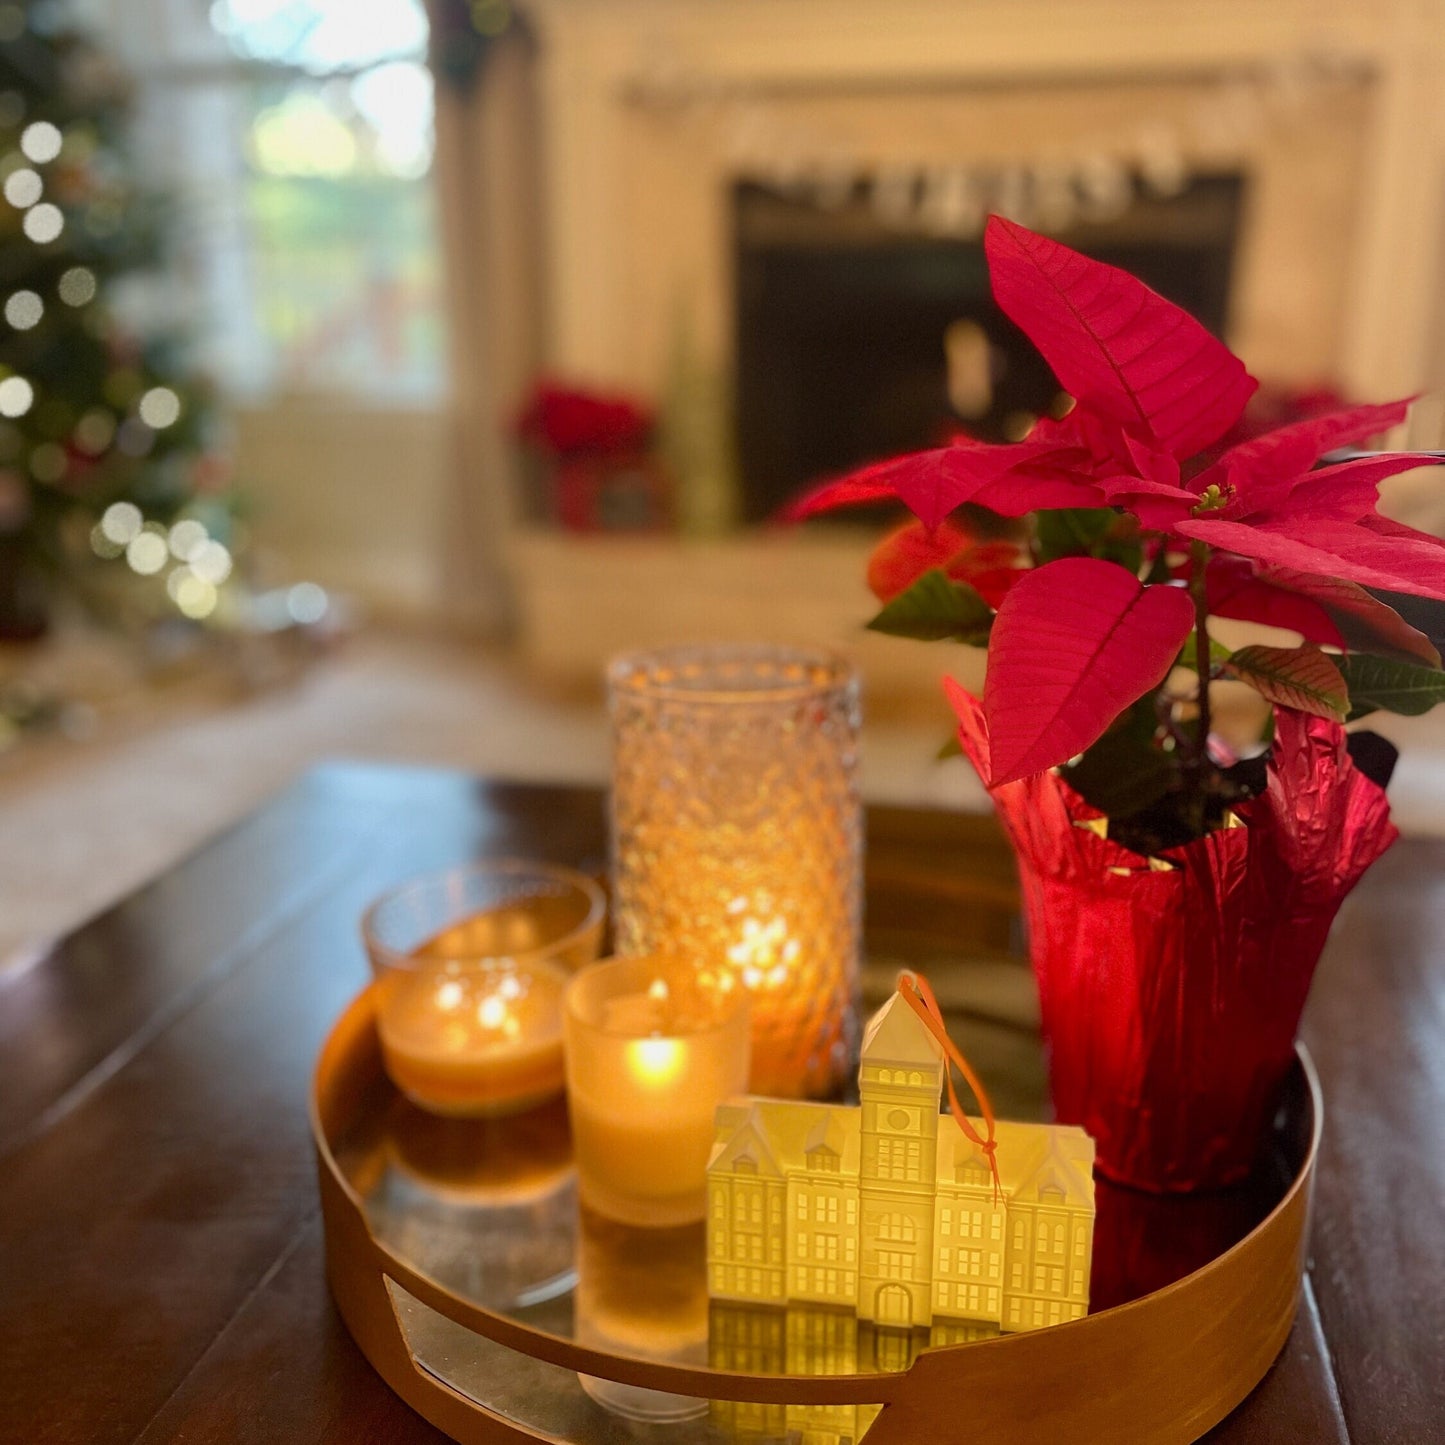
x: 85, y: 820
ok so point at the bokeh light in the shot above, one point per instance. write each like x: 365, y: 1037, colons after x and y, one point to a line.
x: 321, y: 35
x: 95, y: 431
x: 40, y: 142
x: 48, y: 463
x: 134, y: 438
x: 43, y: 223
x: 16, y: 396
x: 121, y: 522
x: 77, y: 286
x: 302, y: 136
x: 187, y: 537
x: 491, y: 17
x: 306, y: 602
x: 193, y: 595
x: 102, y: 545
x: 23, y: 188
x: 160, y: 407
x: 24, y: 310
x: 396, y: 101
x: 147, y: 553
x: 211, y: 562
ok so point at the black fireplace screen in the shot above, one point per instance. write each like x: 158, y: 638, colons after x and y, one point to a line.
x: 855, y: 341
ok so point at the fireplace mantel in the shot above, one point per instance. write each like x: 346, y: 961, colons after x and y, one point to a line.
x: 1337, y: 272
x: 622, y: 227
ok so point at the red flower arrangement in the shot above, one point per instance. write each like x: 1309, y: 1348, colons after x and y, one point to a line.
x: 597, y: 471
x: 1177, y: 897
x: 568, y: 421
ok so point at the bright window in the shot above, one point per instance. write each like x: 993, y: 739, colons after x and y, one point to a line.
x: 295, y: 139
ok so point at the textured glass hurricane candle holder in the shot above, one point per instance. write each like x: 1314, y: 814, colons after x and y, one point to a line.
x: 470, y: 969
x: 737, y: 838
x: 653, y: 1047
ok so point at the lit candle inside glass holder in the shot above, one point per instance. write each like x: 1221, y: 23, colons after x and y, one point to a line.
x: 737, y: 838
x: 471, y: 967
x: 653, y: 1046
x: 477, y: 1041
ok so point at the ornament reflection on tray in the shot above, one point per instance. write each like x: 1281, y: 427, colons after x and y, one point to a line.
x: 883, y: 1208
x: 471, y: 967
x: 811, y: 1340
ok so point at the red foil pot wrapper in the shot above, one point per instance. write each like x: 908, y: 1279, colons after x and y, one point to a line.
x: 1171, y: 988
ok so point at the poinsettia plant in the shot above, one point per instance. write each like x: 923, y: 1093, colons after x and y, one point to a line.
x: 565, y: 420
x: 1128, y: 542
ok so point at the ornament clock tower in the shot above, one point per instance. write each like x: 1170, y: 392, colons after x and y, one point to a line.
x: 900, y: 1079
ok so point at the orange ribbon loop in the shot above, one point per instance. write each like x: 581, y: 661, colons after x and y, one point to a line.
x: 915, y: 991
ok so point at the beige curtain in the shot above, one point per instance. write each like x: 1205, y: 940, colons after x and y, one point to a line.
x: 486, y: 175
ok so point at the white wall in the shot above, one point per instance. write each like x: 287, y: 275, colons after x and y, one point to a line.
x: 351, y: 496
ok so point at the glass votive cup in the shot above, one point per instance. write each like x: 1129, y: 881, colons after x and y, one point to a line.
x: 471, y: 966
x: 654, y: 1045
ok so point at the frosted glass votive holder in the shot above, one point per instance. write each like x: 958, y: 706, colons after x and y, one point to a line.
x: 653, y: 1046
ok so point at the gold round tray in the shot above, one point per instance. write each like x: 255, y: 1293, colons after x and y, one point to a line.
x: 452, y: 1252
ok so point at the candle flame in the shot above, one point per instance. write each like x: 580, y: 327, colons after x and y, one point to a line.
x: 493, y: 1013
x: 763, y: 952
x: 657, y: 989
x: 655, y: 1062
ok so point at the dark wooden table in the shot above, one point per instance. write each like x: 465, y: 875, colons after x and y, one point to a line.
x: 160, y: 1250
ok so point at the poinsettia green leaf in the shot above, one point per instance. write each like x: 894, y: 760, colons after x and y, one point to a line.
x: 1121, y: 774
x: 1392, y: 684
x: 1219, y: 654
x: 935, y: 608
x: 1089, y: 532
x: 1303, y: 678
x: 1159, y: 569
x: 1073, y: 531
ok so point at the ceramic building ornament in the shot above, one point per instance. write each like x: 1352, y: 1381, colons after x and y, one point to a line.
x: 894, y: 1209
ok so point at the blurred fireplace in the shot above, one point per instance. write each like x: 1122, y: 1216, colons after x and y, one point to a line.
x: 855, y: 340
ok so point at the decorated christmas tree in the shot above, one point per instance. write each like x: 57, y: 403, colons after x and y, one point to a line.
x: 111, y: 490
